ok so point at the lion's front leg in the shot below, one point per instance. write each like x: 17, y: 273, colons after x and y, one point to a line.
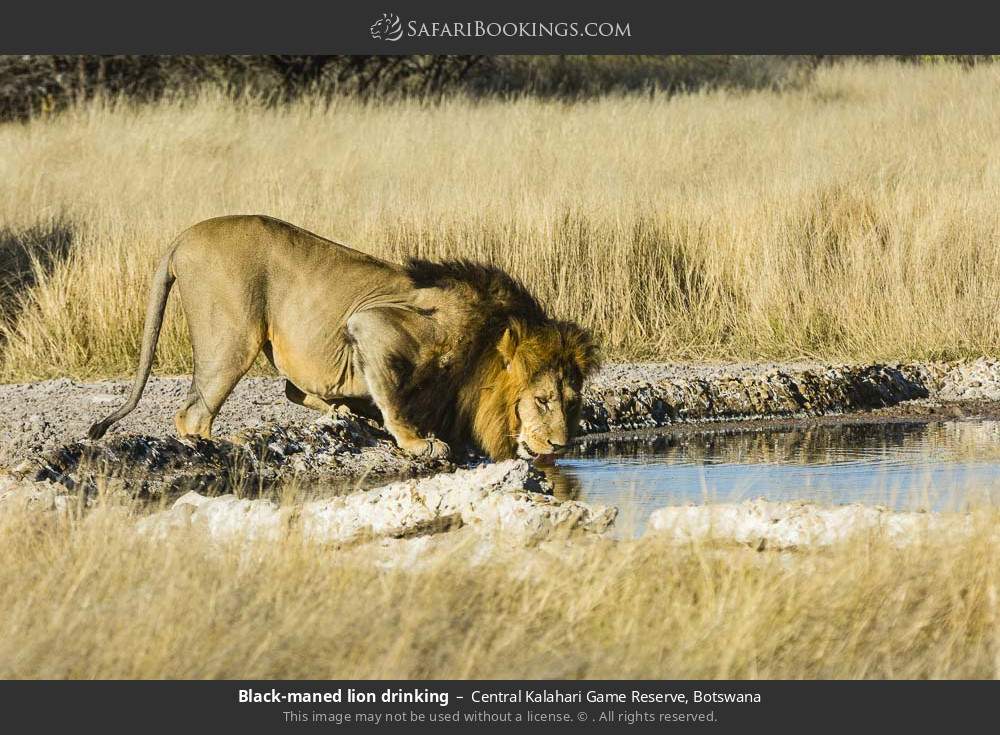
x: 383, y: 350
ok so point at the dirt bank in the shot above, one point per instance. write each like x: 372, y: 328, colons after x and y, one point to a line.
x: 42, y: 425
x: 48, y: 414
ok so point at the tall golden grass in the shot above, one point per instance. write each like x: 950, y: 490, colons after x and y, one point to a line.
x: 855, y: 217
x: 89, y: 597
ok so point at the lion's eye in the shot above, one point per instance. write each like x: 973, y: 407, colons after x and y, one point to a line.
x: 543, y: 402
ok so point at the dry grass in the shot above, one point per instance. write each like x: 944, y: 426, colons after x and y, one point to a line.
x: 856, y: 217
x: 90, y: 598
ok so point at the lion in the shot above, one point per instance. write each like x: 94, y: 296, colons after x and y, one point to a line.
x: 444, y: 354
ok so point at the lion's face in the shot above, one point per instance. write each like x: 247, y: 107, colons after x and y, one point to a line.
x: 546, y: 367
x: 548, y: 412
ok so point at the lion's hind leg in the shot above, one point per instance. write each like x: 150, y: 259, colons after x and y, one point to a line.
x: 215, y: 376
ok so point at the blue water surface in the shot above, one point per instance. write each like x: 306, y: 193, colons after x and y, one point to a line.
x: 937, y: 465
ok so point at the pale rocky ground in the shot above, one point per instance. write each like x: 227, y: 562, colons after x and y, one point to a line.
x: 505, y: 498
x: 976, y: 380
x: 273, y: 440
x: 508, y: 499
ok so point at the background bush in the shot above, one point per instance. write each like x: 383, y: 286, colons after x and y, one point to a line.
x: 33, y: 85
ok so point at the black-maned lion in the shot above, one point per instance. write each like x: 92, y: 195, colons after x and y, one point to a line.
x: 451, y: 351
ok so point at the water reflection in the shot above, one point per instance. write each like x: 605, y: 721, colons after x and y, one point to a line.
x: 565, y: 485
x: 819, y: 444
x: 905, y: 465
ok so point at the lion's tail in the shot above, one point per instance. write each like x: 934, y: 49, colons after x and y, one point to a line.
x: 163, y: 279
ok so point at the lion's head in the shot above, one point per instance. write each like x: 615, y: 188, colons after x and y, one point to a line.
x: 530, y: 406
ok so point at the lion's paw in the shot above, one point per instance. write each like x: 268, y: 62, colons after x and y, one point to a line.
x: 437, y: 449
x: 431, y: 447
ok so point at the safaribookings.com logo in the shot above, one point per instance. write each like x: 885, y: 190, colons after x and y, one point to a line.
x: 390, y: 28
x: 387, y: 28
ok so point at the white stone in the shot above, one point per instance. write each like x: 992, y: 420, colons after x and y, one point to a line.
x: 34, y: 496
x: 783, y: 525
x: 490, y: 498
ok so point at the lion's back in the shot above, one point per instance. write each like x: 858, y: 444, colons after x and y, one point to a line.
x: 284, y: 274
x: 245, y: 244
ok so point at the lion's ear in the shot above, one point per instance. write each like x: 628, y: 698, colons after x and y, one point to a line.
x: 510, y: 340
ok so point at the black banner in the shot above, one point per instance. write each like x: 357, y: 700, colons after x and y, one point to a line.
x: 524, y: 706
x: 452, y: 27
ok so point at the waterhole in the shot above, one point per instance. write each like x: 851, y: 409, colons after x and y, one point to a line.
x: 904, y: 465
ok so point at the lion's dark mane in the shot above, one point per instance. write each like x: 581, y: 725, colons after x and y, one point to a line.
x: 494, y: 299
x: 495, y: 289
